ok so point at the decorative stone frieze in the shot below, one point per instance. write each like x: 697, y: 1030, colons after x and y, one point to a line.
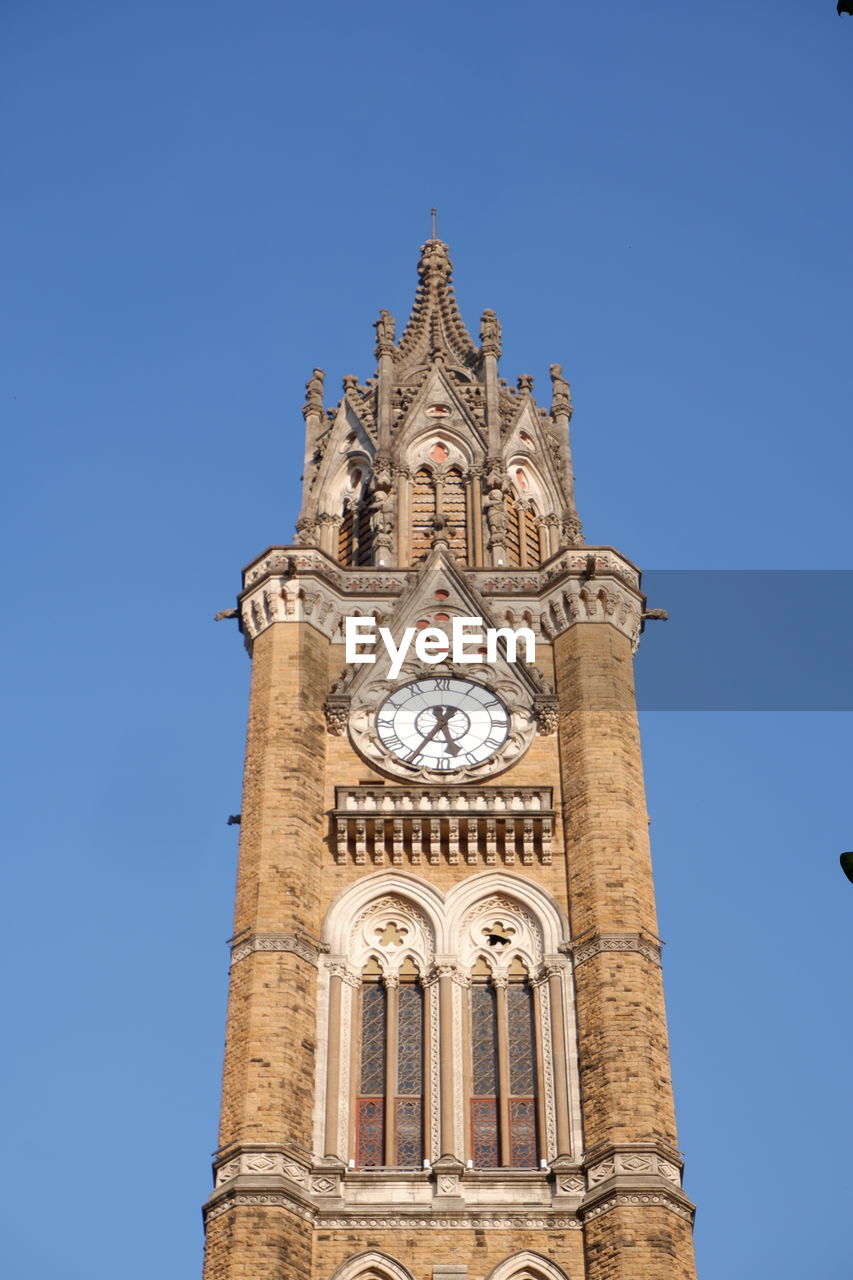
x: 636, y: 1160
x: 262, y: 1163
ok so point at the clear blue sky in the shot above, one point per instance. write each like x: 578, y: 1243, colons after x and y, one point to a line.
x: 201, y: 202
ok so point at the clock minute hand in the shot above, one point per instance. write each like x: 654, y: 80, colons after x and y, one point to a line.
x: 442, y: 715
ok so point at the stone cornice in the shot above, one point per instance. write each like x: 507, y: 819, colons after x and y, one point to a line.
x: 676, y: 1204
x: 302, y: 584
x: 299, y: 944
x: 641, y: 943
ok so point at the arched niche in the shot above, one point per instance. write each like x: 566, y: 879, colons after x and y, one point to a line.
x: 371, y: 1265
x: 527, y: 1266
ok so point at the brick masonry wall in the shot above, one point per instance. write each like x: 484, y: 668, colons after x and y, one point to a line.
x: 623, y: 1050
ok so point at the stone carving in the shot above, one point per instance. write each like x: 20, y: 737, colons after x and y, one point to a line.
x: 297, y: 943
x: 314, y: 393
x: 619, y: 942
x: 262, y: 1162
x: 629, y: 1161
x: 385, y: 334
x: 490, y: 334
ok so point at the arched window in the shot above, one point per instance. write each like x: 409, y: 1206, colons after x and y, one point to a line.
x: 423, y: 511
x: 408, y: 967
x: 503, y: 1070
x: 389, y: 1106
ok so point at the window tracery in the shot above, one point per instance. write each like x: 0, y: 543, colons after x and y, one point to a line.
x: 405, y: 952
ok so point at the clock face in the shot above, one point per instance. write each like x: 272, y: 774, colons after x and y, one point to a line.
x: 442, y: 723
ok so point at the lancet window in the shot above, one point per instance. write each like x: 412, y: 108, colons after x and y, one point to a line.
x: 503, y: 1071
x: 390, y: 1103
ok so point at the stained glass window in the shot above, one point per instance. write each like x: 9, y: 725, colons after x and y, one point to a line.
x: 519, y: 1014
x: 373, y: 1038
x: 410, y: 1145
x: 410, y: 1045
x: 370, y: 1149
x: 522, y: 1129
x: 484, y: 1133
x: 484, y: 1076
x: 370, y: 1111
x: 410, y: 1037
x: 484, y: 1040
x: 522, y: 1076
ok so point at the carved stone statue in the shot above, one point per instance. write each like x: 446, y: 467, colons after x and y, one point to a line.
x: 385, y: 333
x: 490, y: 333
x: 496, y: 513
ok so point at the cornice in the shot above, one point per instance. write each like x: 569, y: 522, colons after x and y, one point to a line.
x: 302, y: 584
x: 299, y: 944
x: 641, y: 943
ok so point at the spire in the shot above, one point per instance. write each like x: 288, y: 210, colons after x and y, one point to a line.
x: 435, y: 326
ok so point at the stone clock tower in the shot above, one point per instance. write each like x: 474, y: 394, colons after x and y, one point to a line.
x: 446, y: 1052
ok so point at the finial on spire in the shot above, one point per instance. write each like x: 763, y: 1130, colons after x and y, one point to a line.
x: 314, y: 394
x: 433, y: 214
x: 561, y: 400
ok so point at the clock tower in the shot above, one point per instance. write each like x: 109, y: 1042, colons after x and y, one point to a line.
x: 446, y: 1053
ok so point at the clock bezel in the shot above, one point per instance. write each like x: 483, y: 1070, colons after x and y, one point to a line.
x: 365, y: 738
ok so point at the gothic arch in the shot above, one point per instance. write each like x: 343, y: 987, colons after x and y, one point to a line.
x: 525, y: 896
x: 372, y: 1265
x: 349, y: 906
x: 527, y: 1266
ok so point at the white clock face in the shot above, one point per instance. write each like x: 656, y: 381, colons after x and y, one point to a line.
x: 443, y: 724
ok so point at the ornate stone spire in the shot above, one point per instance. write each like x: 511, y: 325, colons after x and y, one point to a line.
x: 435, y: 324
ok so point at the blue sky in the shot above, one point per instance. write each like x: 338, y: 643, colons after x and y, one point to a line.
x: 202, y: 202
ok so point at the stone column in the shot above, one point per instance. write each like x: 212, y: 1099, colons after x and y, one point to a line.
x: 446, y: 1072
x: 333, y: 1066
x: 391, y: 1001
x: 558, y: 1043
x: 500, y: 984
